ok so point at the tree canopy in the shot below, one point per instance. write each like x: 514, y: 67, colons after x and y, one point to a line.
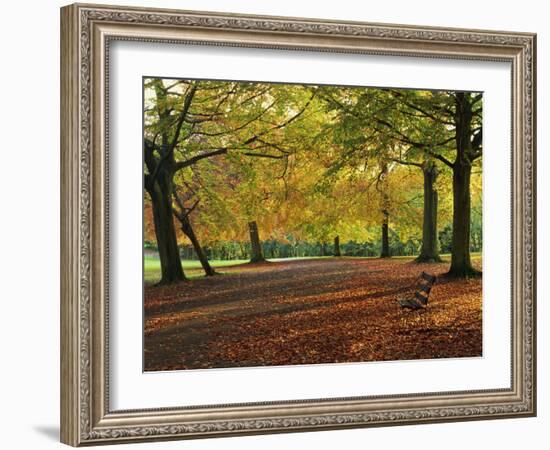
x: 390, y: 171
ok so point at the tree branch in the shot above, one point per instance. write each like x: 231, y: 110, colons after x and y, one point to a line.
x: 421, y: 110
x: 240, y: 127
x: 263, y: 155
x: 406, y: 163
x: 281, y: 125
x: 150, y: 161
x: 477, y: 98
x: 438, y: 156
x: 182, y: 115
x: 275, y: 146
x: 183, y: 211
x: 170, y: 150
x: 194, y: 159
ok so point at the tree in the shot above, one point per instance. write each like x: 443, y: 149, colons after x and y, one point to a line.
x: 257, y: 253
x: 337, y: 246
x: 469, y: 148
x: 309, y: 164
x: 460, y: 114
x: 182, y: 214
x: 190, y: 121
x: 454, y: 118
x: 159, y: 180
x: 381, y: 186
x: 429, y: 251
x: 364, y: 144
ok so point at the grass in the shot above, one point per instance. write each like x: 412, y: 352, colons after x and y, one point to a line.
x: 193, y: 269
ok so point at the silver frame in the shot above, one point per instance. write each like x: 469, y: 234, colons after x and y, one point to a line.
x: 86, y: 31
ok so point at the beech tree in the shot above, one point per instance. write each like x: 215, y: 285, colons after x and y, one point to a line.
x: 441, y: 126
x: 337, y: 246
x: 460, y: 115
x: 183, y: 213
x: 256, y: 253
x: 187, y: 121
x: 235, y: 162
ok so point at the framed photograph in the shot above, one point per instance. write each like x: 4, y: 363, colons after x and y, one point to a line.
x: 275, y: 224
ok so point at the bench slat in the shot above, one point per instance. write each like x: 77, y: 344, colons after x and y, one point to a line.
x: 425, y: 287
x: 428, y: 277
x: 421, y: 298
x: 421, y: 294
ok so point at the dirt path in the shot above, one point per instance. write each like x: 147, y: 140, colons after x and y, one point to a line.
x: 308, y: 311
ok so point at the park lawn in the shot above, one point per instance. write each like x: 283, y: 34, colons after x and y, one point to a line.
x: 310, y: 311
x: 193, y: 269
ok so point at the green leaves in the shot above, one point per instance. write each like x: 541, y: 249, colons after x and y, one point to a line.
x: 304, y: 160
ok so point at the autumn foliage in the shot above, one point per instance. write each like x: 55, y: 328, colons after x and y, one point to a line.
x: 278, y: 173
x: 312, y: 311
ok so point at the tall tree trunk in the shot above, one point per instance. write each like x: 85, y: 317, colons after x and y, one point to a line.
x: 430, y: 250
x: 165, y: 232
x: 256, y: 246
x: 337, y: 246
x: 461, y: 265
x: 382, y: 187
x: 187, y: 229
x: 385, y: 253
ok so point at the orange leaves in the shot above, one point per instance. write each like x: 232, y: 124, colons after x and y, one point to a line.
x: 309, y: 312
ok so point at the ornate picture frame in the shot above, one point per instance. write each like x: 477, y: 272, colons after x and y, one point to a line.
x: 86, y: 34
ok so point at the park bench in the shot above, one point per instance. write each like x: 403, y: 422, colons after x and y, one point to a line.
x: 422, y: 287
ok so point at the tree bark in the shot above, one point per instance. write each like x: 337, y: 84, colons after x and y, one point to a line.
x: 385, y: 253
x: 461, y: 265
x: 430, y: 249
x: 256, y: 246
x: 165, y: 232
x: 187, y: 229
x: 382, y: 187
x: 337, y: 246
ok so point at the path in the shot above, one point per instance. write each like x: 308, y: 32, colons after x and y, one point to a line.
x: 307, y: 311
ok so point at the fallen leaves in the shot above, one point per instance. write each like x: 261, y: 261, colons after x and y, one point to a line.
x: 310, y: 312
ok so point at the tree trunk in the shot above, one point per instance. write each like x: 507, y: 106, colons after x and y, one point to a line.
x: 430, y: 249
x: 337, y: 246
x: 385, y: 253
x: 256, y: 246
x: 165, y: 232
x: 187, y: 229
x: 461, y: 265
x: 382, y: 187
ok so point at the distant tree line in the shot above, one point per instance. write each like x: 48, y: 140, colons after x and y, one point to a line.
x: 273, y: 248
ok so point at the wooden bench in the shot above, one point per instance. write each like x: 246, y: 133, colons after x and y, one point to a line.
x: 422, y: 287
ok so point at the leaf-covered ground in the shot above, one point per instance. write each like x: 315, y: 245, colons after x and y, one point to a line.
x: 309, y: 312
